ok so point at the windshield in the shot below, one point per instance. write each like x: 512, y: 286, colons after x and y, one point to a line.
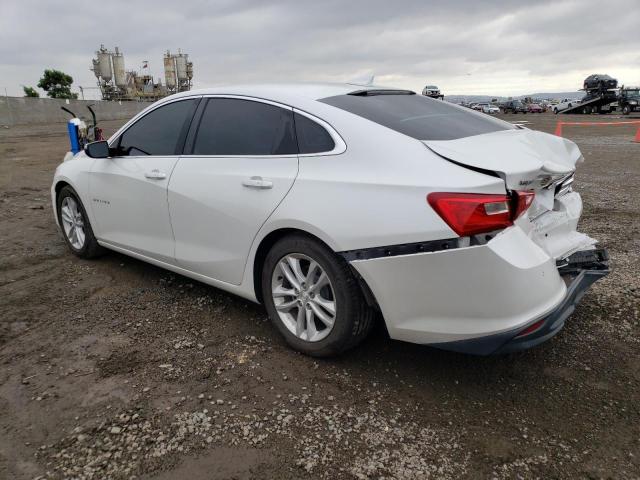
x: 418, y: 116
x: 632, y: 93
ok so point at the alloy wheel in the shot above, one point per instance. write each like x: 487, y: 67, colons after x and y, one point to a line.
x: 304, y: 297
x: 72, y: 222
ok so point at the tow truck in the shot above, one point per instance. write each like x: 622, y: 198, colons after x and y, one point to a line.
x: 628, y: 100
x: 600, y: 94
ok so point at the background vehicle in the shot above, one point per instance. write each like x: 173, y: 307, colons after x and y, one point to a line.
x: 252, y: 189
x: 628, y: 100
x: 565, y: 104
x: 486, y: 107
x: 513, y: 106
x: 600, y: 95
x: 534, y: 108
x: 433, y: 92
x: 490, y: 109
x: 599, y: 83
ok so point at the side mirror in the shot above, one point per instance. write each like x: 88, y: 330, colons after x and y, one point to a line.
x: 97, y: 149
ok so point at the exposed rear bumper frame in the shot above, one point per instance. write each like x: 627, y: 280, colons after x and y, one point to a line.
x: 579, y: 271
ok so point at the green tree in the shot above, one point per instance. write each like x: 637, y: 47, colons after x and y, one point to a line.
x: 57, y: 84
x: 30, y: 92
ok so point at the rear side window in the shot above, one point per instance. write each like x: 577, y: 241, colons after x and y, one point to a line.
x: 418, y: 116
x: 244, y: 127
x: 312, y: 137
x: 158, y: 132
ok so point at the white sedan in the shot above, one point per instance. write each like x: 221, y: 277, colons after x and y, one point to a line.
x: 335, y: 205
x: 488, y: 108
x: 565, y: 104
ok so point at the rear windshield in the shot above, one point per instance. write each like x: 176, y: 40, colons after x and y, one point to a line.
x: 418, y: 116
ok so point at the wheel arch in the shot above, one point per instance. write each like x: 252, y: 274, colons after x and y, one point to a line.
x: 63, y: 181
x: 57, y: 186
x: 60, y: 184
x: 268, y: 241
x: 272, y: 237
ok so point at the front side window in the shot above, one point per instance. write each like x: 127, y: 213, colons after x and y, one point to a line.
x: 243, y: 127
x: 417, y: 116
x: 158, y: 132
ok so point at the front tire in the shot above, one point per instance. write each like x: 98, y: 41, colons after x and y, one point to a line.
x: 75, y: 225
x: 312, y: 297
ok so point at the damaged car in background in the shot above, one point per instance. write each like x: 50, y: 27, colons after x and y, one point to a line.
x: 334, y: 205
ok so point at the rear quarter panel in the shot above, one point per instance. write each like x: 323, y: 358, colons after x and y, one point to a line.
x: 374, y: 194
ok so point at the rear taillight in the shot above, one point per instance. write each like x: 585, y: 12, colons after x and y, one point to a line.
x: 523, y: 200
x: 474, y: 213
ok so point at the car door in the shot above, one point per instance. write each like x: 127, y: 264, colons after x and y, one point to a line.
x: 241, y: 162
x: 129, y: 190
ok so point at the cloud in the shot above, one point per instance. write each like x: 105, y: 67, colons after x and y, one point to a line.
x: 464, y: 46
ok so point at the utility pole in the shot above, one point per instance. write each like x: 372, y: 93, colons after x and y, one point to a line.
x: 6, y: 96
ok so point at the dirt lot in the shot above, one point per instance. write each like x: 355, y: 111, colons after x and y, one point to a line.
x: 113, y: 368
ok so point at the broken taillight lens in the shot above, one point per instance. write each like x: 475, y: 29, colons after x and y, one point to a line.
x: 523, y: 200
x: 473, y: 213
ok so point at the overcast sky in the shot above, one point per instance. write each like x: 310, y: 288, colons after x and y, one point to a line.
x: 501, y: 47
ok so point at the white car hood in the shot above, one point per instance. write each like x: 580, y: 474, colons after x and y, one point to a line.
x: 520, y: 156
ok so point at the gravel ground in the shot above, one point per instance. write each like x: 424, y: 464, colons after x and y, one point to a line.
x: 113, y: 368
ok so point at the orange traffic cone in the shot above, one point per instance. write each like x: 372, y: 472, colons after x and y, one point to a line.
x: 637, y: 139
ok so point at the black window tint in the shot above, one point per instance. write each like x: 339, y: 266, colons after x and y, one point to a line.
x: 158, y: 132
x: 312, y: 138
x: 244, y: 127
x: 418, y: 116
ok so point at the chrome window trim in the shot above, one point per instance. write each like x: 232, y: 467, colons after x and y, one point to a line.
x: 113, y: 140
x: 339, y: 144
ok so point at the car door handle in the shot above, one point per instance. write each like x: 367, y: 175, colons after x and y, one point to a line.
x: 257, y: 182
x: 155, y: 175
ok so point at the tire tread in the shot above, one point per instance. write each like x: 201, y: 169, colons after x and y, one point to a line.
x: 362, y: 315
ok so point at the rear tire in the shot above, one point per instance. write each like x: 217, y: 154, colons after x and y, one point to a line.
x: 626, y: 110
x: 352, y: 318
x: 75, y: 225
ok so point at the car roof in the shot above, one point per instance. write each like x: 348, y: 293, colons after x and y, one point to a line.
x: 286, y: 93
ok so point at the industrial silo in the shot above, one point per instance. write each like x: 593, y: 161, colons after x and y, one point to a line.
x: 181, y: 67
x: 190, y: 70
x: 169, y: 70
x: 103, y: 64
x: 118, y: 69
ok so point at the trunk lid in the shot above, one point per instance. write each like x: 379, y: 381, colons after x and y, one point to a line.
x: 525, y: 159
x: 530, y: 160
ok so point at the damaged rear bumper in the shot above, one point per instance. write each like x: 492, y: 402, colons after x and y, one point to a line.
x: 579, y: 271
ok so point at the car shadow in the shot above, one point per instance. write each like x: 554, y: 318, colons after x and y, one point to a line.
x: 379, y: 358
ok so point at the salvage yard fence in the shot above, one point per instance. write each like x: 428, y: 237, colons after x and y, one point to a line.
x: 560, y: 124
x: 30, y: 111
